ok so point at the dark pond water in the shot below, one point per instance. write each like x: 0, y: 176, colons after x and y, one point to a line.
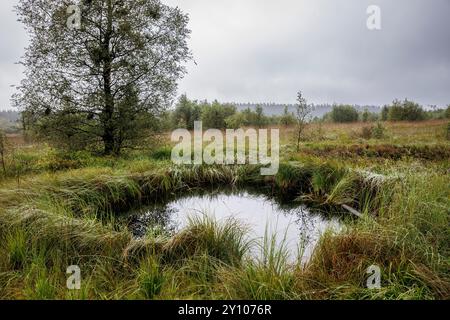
x: 295, y: 226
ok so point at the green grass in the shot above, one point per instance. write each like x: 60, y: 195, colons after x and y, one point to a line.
x: 151, y: 278
x: 63, y: 210
x: 65, y: 223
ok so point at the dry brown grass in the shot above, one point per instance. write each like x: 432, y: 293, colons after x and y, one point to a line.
x: 431, y: 131
x: 16, y: 139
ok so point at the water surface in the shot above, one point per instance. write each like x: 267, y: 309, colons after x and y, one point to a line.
x: 298, y: 227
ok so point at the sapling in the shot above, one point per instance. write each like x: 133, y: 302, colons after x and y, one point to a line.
x: 303, y: 111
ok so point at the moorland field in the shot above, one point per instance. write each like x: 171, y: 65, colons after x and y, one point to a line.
x: 61, y: 208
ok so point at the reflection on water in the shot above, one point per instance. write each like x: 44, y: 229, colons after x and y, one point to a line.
x: 300, y: 227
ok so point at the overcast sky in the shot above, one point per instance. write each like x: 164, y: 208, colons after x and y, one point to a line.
x: 265, y: 51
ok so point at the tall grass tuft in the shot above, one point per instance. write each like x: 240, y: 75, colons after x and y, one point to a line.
x: 225, y: 241
x: 17, y: 248
x: 268, y: 276
x: 151, y: 278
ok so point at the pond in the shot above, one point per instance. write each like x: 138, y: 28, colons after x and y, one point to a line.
x: 296, y: 227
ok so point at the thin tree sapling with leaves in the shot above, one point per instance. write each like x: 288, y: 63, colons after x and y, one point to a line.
x: 302, y: 113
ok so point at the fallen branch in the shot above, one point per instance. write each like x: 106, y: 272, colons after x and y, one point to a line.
x: 352, y: 211
x: 349, y: 209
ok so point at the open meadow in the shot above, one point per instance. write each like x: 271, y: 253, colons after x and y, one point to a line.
x: 64, y: 208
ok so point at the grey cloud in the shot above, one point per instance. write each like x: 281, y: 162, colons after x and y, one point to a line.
x: 13, y: 40
x: 322, y: 47
x: 257, y: 50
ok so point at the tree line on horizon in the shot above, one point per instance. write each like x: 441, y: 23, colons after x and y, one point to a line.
x: 106, y: 86
x: 226, y: 115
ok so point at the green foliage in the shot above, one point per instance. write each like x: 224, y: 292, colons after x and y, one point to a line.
x: 66, y: 211
x: 303, y: 112
x: 164, y: 153
x: 375, y: 131
x: 385, y: 113
x: 42, y: 289
x: 378, y: 131
x: 186, y: 113
x: 344, y: 114
x: 220, y: 116
x: 236, y: 121
x: 405, y: 111
x: 256, y: 118
x: 260, y: 120
x: 109, y: 89
x: 365, y: 116
x: 208, y: 260
x: 287, y: 119
x: 214, y: 115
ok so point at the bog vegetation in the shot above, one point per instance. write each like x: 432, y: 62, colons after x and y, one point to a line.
x: 62, y: 205
x: 94, y: 144
x: 61, y: 208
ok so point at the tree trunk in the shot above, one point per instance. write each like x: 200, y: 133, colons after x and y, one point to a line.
x: 299, y: 136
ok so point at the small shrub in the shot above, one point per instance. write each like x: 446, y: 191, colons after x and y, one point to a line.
x: 366, y: 133
x: 373, y: 132
x: 378, y: 131
x: 236, y: 121
x: 62, y: 160
x: 344, y: 114
x: 405, y: 111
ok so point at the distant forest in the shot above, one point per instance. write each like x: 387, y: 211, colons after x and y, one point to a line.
x: 10, y: 115
x: 269, y: 109
x: 9, y: 121
x: 319, y: 110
